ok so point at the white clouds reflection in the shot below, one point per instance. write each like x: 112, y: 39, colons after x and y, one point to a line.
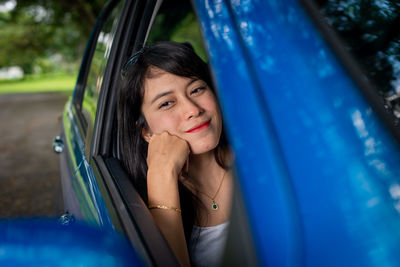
x: 394, y: 191
x: 219, y: 23
x: 359, y: 124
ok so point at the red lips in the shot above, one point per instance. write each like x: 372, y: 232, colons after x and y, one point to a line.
x: 199, y: 127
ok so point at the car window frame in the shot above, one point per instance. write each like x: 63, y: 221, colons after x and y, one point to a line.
x: 80, y: 86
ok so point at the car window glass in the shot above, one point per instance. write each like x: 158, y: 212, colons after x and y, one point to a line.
x: 98, y: 65
x: 177, y: 22
x: 370, y: 32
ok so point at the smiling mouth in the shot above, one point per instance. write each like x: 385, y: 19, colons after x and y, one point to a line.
x: 200, y: 127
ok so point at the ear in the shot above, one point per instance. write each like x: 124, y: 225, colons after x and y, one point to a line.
x: 146, y: 134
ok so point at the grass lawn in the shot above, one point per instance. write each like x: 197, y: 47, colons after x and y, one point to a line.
x: 39, y: 84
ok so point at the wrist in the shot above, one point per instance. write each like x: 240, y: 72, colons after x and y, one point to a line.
x: 162, y: 187
x: 163, y: 174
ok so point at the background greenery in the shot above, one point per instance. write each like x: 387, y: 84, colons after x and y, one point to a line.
x: 39, y: 83
x: 46, y: 38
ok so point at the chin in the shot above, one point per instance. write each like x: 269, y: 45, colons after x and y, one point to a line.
x: 202, y: 148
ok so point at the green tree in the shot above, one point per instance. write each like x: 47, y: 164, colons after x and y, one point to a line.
x: 36, y: 30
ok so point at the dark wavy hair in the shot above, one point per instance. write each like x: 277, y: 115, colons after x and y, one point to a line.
x: 176, y: 58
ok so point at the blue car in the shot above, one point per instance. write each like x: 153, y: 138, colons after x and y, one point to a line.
x: 308, y: 94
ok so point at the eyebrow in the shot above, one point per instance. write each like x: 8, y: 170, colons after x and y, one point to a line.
x: 193, y: 80
x: 160, y: 95
x: 170, y: 92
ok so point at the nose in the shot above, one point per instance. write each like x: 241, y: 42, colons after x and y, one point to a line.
x: 191, y: 109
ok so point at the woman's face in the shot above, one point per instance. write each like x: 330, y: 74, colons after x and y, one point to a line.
x: 183, y: 107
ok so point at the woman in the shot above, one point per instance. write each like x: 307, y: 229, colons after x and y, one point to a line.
x: 173, y: 146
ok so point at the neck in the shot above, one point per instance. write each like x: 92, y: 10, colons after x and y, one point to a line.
x: 197, y: 163
x: 205, y: 171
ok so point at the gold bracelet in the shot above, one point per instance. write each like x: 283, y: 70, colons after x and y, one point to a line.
x: 164, y: 208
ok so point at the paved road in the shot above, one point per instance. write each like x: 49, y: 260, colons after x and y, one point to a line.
x: 29, y: 169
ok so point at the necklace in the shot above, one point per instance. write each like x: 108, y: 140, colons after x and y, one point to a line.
x: 214, y: 204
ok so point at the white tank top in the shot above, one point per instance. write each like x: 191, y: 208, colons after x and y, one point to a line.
x: 210, y: 245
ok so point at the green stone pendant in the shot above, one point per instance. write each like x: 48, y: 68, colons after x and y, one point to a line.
x: 214, y: 206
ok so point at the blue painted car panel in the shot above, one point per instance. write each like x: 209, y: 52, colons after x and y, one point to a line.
x: 51, y: 244
x: 84, y: 182
x: 318, y: 170
x: 246, y: 128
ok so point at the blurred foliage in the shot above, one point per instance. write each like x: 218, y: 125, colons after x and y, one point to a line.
x: 188, y: 30
x: 41, y: 34
x: 177, y: 22
x: 371, y: 31
x: 180, y: 28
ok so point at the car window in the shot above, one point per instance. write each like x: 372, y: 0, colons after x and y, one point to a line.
x: 98, y: 66
x: 371, y: 34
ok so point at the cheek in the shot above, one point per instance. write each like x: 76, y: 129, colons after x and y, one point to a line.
x: 162, y: 123
x: 209, y: 102
x: 213, y: 108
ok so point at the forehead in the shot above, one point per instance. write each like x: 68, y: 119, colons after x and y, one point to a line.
x: 158, y: 80
x: 154, y: 72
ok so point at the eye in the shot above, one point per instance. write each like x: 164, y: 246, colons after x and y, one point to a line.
x: 165, y: 104
x: 198, y: 90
